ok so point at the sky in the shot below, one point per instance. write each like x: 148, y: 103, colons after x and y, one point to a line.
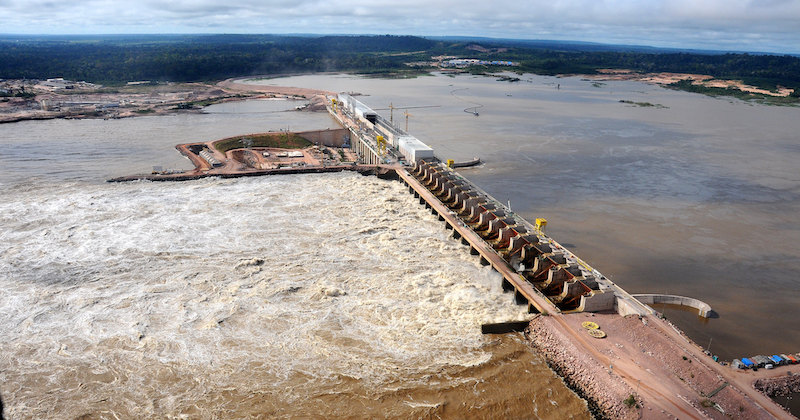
x: 733, y: 25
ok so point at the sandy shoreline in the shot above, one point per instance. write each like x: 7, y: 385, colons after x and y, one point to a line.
x: 664, y: 78
x: 288, y: 91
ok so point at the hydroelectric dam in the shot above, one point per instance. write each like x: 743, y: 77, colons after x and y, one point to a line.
x: 542, y: 274
x: 611, y: 348
x: 636, y: 369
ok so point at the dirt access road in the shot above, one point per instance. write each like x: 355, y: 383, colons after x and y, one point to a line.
x: 649, y: 358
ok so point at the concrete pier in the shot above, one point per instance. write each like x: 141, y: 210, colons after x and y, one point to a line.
x: 537, y: 303
x: 703, y: 309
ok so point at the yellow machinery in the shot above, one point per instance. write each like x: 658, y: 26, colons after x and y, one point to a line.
x: 333, y: 103
x: 381, y: 145
x: 541, y: 223
x: 450, y: 163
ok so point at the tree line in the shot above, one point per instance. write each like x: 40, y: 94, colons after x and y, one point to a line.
x: 198, y: 58
x: 185, y: 58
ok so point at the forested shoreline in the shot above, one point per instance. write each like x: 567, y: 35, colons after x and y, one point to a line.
x: 118, y: 59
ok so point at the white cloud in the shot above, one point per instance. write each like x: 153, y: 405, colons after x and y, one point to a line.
x: 763, y: 25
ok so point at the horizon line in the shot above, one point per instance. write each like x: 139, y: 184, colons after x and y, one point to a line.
x: 574, y: 42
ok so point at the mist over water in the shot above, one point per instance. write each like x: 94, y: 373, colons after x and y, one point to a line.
x: 327, y: 295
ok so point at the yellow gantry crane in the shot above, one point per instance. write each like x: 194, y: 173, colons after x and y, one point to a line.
x: 381, y: 145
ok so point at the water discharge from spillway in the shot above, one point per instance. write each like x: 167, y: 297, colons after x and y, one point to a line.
x: 328, y: 295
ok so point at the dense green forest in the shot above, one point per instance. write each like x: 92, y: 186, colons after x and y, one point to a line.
x: 182, y: 58
x: 198, y: 58
x: 766, y: 71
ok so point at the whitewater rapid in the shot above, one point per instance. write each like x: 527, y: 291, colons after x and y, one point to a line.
x: 149, y: 297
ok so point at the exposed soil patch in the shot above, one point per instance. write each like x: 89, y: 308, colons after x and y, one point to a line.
x: 696, y: 79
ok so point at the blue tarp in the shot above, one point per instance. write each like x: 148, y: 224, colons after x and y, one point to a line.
x: 777, y: 359
x: 747, y: 362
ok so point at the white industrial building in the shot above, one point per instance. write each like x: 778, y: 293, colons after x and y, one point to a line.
x: 411, y: 148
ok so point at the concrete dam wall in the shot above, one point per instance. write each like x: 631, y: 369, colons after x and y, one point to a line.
x: 539, y: 270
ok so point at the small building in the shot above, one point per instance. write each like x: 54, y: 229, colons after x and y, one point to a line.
x: 354, y: 107
x: 748, y: 364
x: 413, y: 149
x: 209, y: 157
x: 59, y: 83
x: 365, y: 113
x: 345, y: 102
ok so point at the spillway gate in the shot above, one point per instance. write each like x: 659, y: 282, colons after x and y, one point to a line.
x: 540, y: 272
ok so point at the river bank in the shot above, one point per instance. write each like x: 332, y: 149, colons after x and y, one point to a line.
x: 44, y: 101
x: 56, y: 98
x: 642, y: 370
x: 584, y: 226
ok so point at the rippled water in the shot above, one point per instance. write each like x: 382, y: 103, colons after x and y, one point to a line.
x: 693, y: 196
x: 267, y: 296
x: 95, y: 150
x: 320, y: 295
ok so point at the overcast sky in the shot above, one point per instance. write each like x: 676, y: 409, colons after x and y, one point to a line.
x: 749, y: 25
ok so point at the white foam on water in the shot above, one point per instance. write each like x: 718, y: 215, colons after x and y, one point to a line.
x: 161, y: 292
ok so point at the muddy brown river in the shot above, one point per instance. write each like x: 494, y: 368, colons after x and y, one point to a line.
x: 337, y: 295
